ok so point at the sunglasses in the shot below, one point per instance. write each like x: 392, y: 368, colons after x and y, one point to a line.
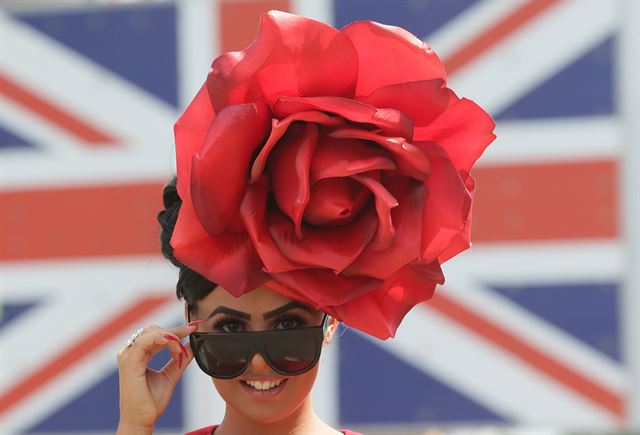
x: 288, y: 352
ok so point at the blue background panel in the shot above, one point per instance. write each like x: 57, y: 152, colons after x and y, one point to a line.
x: 377, y: 387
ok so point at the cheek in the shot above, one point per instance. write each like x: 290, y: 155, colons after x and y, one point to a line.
x: 301, y: 385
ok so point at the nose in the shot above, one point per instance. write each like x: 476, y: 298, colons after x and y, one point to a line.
x: 258, y: 362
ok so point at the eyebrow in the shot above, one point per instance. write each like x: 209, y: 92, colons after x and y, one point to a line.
x: 286, y: 307
x: 242, y: 315
x: 231, y: 312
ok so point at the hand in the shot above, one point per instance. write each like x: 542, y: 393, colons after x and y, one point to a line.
x: 145, y: 393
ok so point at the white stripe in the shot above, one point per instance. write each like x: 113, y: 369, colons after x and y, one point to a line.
x: 554, y: 140
x: 319, y: 10
x: 488, y: 375
x: 111, y: 276
x: 198, y: 43
x: 470, y: 23
x: 541, y: 262
x: 26, y: 169
x: 325, y: 391
x: 535, y: 52
x: 628, y: 95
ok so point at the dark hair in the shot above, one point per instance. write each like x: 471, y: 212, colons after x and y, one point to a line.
x: 191, y: 285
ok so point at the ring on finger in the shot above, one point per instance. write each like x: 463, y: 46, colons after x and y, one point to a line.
x: 133, y: 337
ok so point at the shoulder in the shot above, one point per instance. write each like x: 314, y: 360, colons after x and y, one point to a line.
x: 203, y: 431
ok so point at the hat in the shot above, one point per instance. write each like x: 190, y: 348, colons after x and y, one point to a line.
x: 331, y: 166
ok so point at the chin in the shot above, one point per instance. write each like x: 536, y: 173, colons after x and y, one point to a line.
x: 262, y: 404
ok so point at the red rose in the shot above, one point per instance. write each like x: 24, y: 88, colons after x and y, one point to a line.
x: 330, y: 165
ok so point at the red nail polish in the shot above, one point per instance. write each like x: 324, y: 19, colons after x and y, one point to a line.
x: 195, y: 323
x: 169, y: 337
x: 184, y: 349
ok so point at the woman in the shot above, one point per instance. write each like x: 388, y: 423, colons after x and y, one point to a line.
x: 319, y: 171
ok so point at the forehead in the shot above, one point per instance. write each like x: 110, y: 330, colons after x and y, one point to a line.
x: 259, y: 300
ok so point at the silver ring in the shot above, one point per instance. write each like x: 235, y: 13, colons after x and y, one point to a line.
x: 133, y: 337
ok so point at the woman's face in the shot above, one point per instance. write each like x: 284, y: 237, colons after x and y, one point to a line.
x: 251, y: 312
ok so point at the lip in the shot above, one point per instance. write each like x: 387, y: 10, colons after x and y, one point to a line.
x: 264, y: 393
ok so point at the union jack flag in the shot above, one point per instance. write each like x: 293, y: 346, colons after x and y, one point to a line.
x: 526, y: 329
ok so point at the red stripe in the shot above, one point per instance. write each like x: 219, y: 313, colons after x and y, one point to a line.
x: 65, y: 361
x: 552, y: 201
x: 495, y: 34
x: 592, y: 391
x: 80, y: 222
x: 560, y: 201
x: 54, y: 114
x: 238, y: 21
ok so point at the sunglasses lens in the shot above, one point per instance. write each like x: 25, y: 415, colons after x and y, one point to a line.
x: 293, y: 352
x: 222, y: 357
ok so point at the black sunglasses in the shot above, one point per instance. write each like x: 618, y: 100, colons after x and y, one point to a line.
x: 288, y: 352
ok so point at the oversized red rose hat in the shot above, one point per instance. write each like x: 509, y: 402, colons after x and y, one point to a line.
x: 330, y: 165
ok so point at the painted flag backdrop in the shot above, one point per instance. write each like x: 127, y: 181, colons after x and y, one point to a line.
x: 527, y: 330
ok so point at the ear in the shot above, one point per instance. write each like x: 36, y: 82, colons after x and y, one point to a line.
x: 332, y: 328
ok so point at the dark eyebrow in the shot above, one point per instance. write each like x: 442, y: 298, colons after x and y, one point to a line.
x: 231, y: 312
x: 287, y: 307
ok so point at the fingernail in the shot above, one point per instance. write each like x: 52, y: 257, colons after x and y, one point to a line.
x: 184, y: 349
x: 195, y: 323
x: 169, y: 337
x: 180, y: 362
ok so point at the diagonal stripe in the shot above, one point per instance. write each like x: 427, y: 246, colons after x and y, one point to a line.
x: 536, y: 358
x: 495, y: 34
x: 54, y: 114
x: 68, y: 357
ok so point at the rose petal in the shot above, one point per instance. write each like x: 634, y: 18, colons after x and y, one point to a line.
x: 409, y: 159
x: 228, y: 260
x: 190, y: 130
x: 464, y: 130
x: 421, y: 101
x: 406, y: 218
x: 322, y: 288
x: 219, y: 169
x: 389, y: 304
x: 392, y: 122
x: 335, y: 201
x: 334, y: 248
x: 291, y: 55
x: 279, y: 128
x: 253, y: 213
x: 345, y: 157
x: 393, y: 53
x: 384, y: 203
x: 447, y: 205
x: 289, y: 169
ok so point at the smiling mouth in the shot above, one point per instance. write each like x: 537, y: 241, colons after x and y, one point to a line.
x: 266, y: 388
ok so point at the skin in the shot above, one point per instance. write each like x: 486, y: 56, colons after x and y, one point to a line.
x: 145, y: 394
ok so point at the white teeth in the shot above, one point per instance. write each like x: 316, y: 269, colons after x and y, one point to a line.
x: 266, y: 385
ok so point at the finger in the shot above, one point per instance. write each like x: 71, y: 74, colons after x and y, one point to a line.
x: 136, y: 357
x: 174, y: 369
x: 184, y: 330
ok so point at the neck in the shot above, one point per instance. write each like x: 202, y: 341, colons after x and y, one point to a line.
x: 301, y: 421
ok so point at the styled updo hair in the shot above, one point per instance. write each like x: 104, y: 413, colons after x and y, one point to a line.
x: 191, y: 285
